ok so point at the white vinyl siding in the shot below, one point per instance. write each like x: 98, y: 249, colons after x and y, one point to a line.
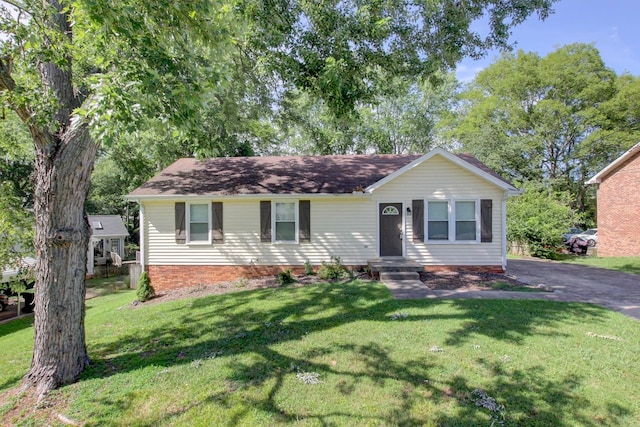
x: 351, y: 237
x: 346, y: 227
x: 438, y: 179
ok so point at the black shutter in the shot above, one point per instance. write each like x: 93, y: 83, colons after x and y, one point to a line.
x: 304, y: 213
x: 217, y: 233
x: 417, y: 212
x: 181, y: 234
x: 486, y: 220
x: 265, y: 221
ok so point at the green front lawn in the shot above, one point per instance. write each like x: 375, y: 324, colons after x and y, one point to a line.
x: 342, y: 354
x: 625, y: 264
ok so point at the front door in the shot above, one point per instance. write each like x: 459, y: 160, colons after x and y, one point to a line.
x: 390, y: 229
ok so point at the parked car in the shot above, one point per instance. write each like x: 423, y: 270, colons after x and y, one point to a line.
x: 590, y: 235
x: 571, y: 233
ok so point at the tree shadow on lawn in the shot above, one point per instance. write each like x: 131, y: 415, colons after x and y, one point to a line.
x: 237, y: 326
x: 16, y: 324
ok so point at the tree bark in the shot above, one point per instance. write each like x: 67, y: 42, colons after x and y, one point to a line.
x: 65, y: 156
x: 61, y: 243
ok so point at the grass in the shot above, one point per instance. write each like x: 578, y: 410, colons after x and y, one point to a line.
x: 505, y: 286
x: 624, y: 264
x: 342, y: 354
x: 107, y: 285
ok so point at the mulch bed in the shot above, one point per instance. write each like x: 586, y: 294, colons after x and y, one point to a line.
x: 434, y: 281
x: 451, y: 280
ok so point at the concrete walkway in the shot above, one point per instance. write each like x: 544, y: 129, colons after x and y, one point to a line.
x: 570, y: 283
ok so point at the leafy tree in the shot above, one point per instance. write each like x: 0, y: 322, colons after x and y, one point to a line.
x: 402, y: 119
x: 69, y: 68
x: 16, y: 228
x: 108, y: 187
x: 337, y: 50
x: 538, y: 218
x: 542, y: 119
x: 16, y: 191
x: 405, y: 119
x: 80, y: 73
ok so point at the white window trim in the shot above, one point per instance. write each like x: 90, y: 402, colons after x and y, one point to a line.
x: 188, y: 223
x: 296, y: 225
x: 451, y: 207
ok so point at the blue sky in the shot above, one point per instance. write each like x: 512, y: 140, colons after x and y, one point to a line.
x: 612, y: 26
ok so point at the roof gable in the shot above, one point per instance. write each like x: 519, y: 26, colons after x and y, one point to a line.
x: 465, y: 161
x: 107, y: 225
x: 344, y: 174
x: 620, y: 161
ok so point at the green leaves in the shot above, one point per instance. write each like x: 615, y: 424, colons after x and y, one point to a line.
x: 535, y: 119
x: 538, y: 218
x: 334, y: 49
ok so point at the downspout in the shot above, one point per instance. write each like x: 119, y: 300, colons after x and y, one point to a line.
x: 504, y: 232
x: 142, y: 236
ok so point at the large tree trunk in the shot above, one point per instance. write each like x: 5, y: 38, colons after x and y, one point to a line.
x: 65, y: 156
x: 63, y: 171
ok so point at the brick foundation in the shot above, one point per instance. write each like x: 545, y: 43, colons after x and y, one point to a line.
x: 165, y: 277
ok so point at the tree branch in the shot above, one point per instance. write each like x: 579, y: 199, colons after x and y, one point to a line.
x: 25, y: 113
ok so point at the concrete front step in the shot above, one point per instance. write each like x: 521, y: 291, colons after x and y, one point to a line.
x: 399, y: 275
x: 391, y: 265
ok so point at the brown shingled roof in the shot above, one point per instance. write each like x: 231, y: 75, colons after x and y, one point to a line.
x: 277, y: 175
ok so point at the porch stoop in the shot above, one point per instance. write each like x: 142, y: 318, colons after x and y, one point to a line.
x: 401, y: 276
x: 377, y: 266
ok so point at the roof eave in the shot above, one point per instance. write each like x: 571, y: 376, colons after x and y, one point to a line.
x: 597, y: 178
x: 140, y: 198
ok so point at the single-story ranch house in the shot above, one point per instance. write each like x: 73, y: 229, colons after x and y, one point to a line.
x: 204, y: 221
x: 619, y: 205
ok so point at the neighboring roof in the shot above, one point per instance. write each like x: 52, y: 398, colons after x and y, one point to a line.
x: 107, y: 225
x: 290, y: 175
x: 615, y: 164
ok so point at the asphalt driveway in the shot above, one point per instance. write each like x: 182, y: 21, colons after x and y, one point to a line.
x: 570, y: 282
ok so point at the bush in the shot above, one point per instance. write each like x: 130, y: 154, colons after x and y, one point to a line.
x: 308, y: 268
x: 145, y: 291
x: 538, y: 218
x: 285, y: 277
x: 333, y: 270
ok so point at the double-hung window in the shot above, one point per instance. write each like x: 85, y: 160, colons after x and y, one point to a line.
x: 198, y: 220
x: 466, y: 220
x: 285, y: 222
x: 452, y: 221
x: 438, y: 220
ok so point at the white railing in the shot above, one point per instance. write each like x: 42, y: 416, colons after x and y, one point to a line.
x: 115, y: 259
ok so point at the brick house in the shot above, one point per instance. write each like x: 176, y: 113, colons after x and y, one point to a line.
x: 619, y: 205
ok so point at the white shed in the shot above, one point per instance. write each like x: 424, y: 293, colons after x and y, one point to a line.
x: 108, y: 234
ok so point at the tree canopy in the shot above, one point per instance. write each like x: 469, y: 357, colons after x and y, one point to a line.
x: 79, y: 74
x: 556, y: 119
